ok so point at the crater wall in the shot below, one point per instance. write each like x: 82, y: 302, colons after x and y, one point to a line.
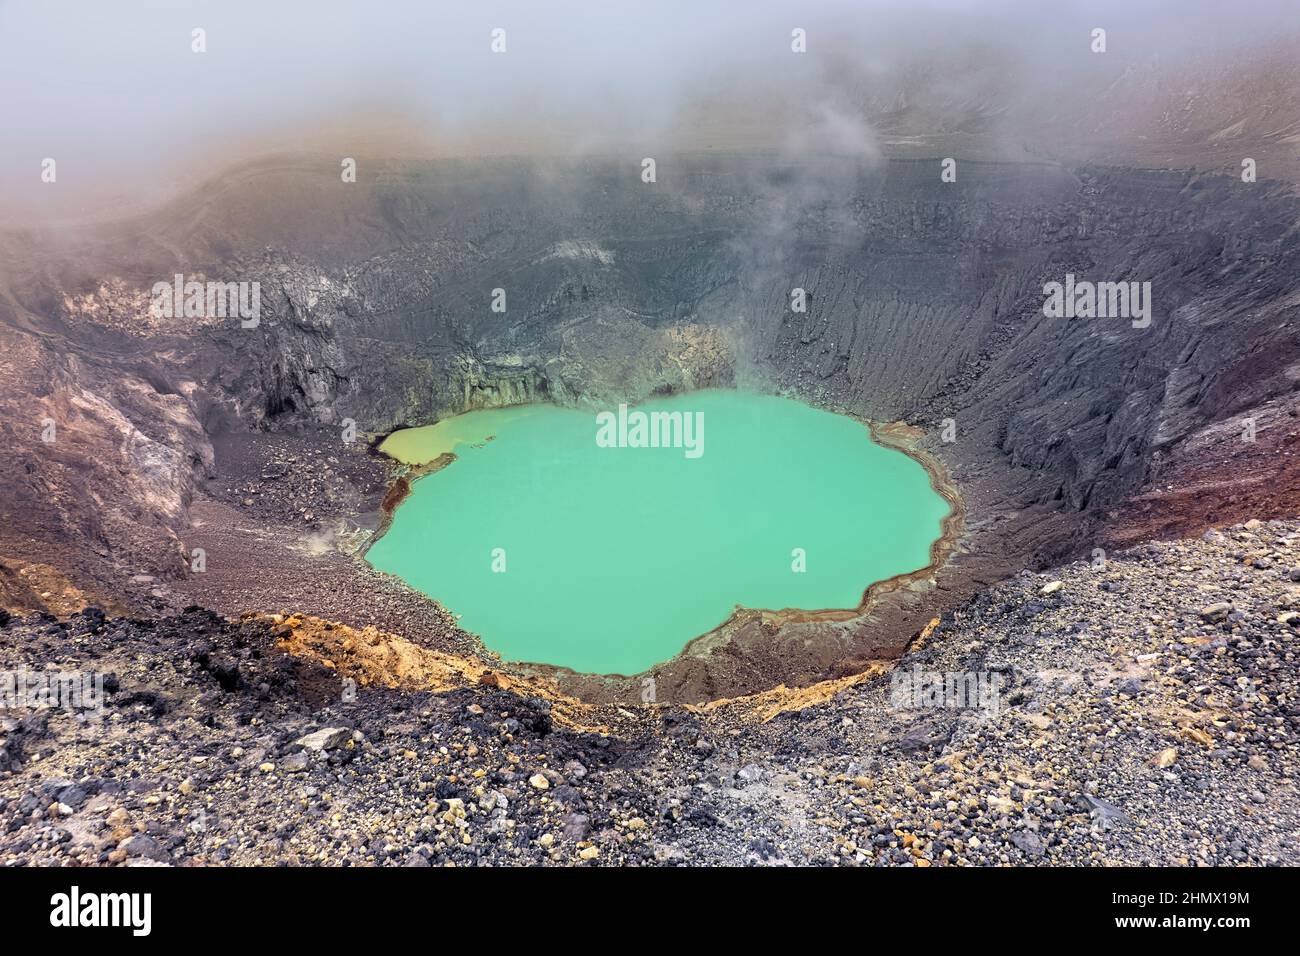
x: 924, y: 305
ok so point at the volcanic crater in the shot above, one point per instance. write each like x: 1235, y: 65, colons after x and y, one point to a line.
x: 1051, y: 437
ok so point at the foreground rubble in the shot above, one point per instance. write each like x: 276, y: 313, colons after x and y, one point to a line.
x: 1147, y: 713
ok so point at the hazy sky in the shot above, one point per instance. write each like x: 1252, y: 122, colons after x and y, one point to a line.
x: 112, y: 90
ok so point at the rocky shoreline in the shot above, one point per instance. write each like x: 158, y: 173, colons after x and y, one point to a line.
x: 1147, y: 714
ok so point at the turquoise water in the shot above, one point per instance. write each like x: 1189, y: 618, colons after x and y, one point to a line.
x: 557, y: 550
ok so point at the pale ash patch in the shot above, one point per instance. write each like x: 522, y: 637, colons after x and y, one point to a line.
x: 579, y: 249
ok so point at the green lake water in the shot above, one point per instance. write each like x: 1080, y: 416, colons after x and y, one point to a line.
x: 609, y: 559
